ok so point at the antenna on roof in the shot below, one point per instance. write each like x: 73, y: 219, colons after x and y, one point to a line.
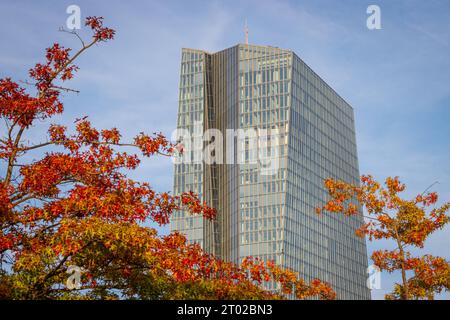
x: 246, y: 32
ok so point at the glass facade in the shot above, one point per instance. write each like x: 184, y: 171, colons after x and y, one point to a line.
x: 188, y: 175
x: 271, y: 216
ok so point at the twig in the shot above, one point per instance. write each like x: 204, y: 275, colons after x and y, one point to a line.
x: 436, y: 182
x: 73, y: 32
x: 65, y: 89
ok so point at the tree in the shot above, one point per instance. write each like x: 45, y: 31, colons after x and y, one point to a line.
x: 75, y: 206
x: 407, y: 222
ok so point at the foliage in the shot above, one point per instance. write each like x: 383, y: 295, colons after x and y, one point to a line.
x: 75, y: 206
x: 407, y: 222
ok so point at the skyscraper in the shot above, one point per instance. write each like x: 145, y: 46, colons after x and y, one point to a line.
x: 269, y: 213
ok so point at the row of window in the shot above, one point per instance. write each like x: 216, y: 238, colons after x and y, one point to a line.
x: 264, y: 76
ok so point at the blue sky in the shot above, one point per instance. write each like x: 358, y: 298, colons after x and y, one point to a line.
x: 397, y: 78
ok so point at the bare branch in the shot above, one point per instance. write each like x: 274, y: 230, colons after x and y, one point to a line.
x: 61, y: 142
x: 73, y: 32
x: 65, y: 89
x: 429, y: 187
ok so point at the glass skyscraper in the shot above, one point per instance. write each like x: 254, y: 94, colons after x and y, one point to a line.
x: 269, y: 213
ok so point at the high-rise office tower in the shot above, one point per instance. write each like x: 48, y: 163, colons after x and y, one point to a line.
x: 269, y: 213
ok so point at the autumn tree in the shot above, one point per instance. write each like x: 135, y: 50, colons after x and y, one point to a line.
x: 407, y: 222
x: 76, y: 206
